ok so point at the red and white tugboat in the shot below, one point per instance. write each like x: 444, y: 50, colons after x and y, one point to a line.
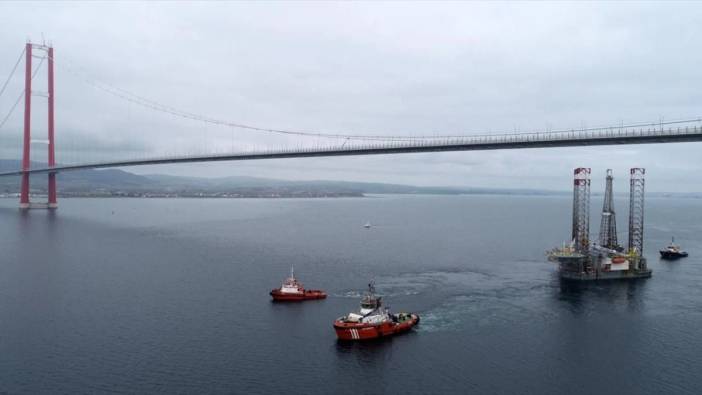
x: 292, y: 290
x: 372, y: 320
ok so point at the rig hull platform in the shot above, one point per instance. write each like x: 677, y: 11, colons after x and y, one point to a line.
x: 600, y: 266
x: 605, y: 276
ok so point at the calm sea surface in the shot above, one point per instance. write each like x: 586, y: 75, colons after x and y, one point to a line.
x: 171, y: 296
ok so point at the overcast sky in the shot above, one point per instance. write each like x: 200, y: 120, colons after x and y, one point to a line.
x: 367, y: 68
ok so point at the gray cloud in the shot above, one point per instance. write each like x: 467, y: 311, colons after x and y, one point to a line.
x: 377, y: 68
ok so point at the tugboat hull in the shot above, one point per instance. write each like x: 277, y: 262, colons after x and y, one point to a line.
x: 363, y: 331
x: 311, y: 294
x: 672, y: 255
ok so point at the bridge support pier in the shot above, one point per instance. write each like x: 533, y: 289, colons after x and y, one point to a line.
x: 27, y: 141
x: 24, y: 193
x: 52, y: 191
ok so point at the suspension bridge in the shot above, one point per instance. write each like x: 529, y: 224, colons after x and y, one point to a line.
x: 676, y: 131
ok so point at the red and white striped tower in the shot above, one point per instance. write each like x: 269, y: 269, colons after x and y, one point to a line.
x: 27, y: 141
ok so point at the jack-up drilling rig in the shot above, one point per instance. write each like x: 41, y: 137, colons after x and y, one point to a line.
x: 582, y: 261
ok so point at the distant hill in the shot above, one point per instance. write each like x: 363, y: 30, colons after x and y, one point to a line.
x: 80, y: 180
x: 364, y: 187
x: 121, y: 183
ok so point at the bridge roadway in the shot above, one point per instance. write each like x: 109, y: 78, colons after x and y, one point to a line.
x: 468, y: 143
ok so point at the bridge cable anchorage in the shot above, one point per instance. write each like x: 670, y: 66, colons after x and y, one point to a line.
x: 157, y: 106
x: 19, y: 99
x: 12, y: 73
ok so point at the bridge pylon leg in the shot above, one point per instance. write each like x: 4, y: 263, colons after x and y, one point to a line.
x: 52, y: 159
x: 52, y: 191
x: 24, y: 191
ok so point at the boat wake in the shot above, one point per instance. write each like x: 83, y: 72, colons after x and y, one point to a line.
x: 445, y: 318
x: 464, y: 299
x: 434, y: 282
x: 476, y: 313
x: 407, y: 284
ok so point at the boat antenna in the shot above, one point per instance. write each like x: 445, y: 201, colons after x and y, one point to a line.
x: 292, y: 271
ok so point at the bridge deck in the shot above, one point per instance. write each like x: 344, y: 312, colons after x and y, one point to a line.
x: 472, y: 143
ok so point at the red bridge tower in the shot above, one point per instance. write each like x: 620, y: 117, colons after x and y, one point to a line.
x: 26, y: 159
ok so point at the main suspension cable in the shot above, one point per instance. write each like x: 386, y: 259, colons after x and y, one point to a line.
x: 12, y: 109
x: 157, y: 106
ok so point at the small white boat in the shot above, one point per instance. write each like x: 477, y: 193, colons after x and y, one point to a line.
x: 367, y: 225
